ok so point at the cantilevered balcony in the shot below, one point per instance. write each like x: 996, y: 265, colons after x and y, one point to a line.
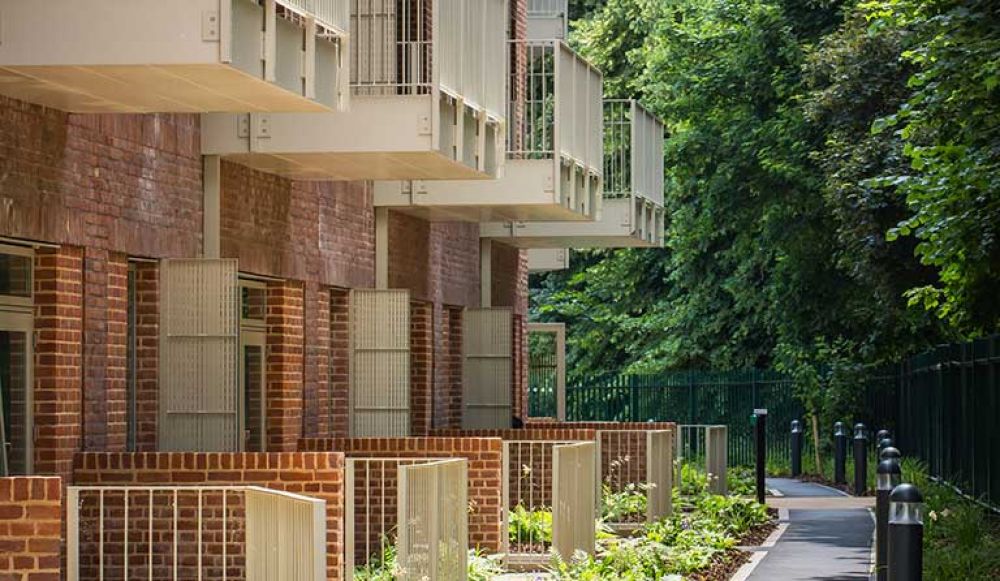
x: 632, y: 213
x: 427, y: 101
x: 554, y: 153
x: 547, y: 19
x: 142, y: 56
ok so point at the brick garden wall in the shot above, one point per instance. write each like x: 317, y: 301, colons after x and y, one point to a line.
x: 483, y: 454
x: 30, y: 528
x: 318, y: 475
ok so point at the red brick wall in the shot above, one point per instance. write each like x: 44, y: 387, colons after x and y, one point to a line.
x: 448, y: 370
x: 105, y: 335
x: 319, y: 475
x: 59, y: 359
x: 322, y: 232
x: 30, y: 528
x: 316, y: 411
x: 340, y: 347
x: 421, y: 366
x: 285, y: 344
x: 147, y: 353
x: 485, y: 472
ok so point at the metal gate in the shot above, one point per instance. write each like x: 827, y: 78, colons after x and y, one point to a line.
x: 488, y: 368
x: 380, y: 363
x: 199, y: 342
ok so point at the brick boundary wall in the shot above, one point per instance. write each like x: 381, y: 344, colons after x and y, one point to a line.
x: 316, y: 474
x: 485, y: 472
x: 546, y: 423
x: 557, y: 434
x: 30, y: 528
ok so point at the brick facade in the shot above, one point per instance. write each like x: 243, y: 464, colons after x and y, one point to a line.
x: 30, y: 528
x: 320, y: 475
x: 285, y: 344
x: 485, y: 472
x: 340, y: 360
x: 59, y: 359
x: 421, y: 366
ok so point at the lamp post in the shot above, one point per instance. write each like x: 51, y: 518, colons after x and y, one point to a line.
x: 906, y: 534
x: 796, y: 448
x: 888, y: 477
x: 839, y: 453
x: 860, y: 460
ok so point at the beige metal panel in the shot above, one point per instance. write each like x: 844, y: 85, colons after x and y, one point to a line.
x: 574, y: 498
x: 487, y: 338
x: 199, y: 343
x: 660, y: 474
x: 380, y: 362
x: 614, y: 229
x: 285, y: 536
x: 547, y: 259
x: 548, y: 19
x: 433, y: 537
x: 152, y: 56
x: 528, y: 191
x: 717, y: 458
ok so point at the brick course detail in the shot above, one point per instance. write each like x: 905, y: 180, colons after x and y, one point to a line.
x: 319, y: 475
x: 485, y: 472
x: 30, y: 528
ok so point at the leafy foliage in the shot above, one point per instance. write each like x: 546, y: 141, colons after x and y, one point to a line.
x: 831, y: 188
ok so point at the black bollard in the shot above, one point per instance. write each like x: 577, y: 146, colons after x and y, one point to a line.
x: 839, y: 453
x: 796, y: 448
x: 881, y: 435
x: 860, y: 460
x: 883, y: 444
x: 890, y: 453
x: 888, y: 478
x: 906, y: 534
x: 760, y: 443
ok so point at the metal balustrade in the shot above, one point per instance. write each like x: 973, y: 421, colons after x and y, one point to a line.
x: 548, y: 19
x: 417, y: 47
x: 633, y: 152
x: 637, y: 470
x: 550, y: 498
x: 201, y: 532
x: 407, y: 516
x: 332, y: 14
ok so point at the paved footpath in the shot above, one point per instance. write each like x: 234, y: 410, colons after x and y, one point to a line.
x: 825, y: 535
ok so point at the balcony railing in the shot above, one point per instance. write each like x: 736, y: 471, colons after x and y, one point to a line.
x: 415, y: 47
x: 221, y: 532
x: 633, y: 152
x: 548, y: 19
x: 427, y: 82
x: 554, y: 146
x: 108, y: 56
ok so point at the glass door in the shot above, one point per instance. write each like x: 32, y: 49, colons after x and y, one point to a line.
x: 253, y: 365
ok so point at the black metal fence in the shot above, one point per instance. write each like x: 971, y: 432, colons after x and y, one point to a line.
x: 943, y: 406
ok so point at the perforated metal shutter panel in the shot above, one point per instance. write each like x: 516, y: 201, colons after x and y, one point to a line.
x: 488, y: 368
x: 380, y: 363
x: 199, y: 343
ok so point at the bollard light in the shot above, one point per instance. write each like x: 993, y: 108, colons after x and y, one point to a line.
x: 839, y: 453
x: 881, y: 435
x: 796, y: 448
x: 890, y: 453
x: 888, y: 475
x: 906, y: 534
x: 884, y: 443
x: 860, y: 460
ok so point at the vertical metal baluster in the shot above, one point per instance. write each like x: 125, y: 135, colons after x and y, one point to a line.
x: 100, y: 543
x: 175, y: 535
x: 125, y: 559
x: 200, y: 525
x: 225, y: 522
x: 149, y: 569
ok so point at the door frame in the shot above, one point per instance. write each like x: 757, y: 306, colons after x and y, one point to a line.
x: 17, y: 316
x: 253, y: 333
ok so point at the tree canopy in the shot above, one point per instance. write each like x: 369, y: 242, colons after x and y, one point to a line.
x: 832, y: 184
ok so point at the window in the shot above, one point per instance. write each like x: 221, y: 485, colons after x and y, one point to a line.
x: 253, y: 348
x: 16, y: 334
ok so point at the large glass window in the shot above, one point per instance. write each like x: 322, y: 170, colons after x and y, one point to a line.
x: 16, y: 326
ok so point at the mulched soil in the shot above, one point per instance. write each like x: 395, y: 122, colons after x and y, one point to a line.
x: 758, y: 535
x: 723, y: 567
